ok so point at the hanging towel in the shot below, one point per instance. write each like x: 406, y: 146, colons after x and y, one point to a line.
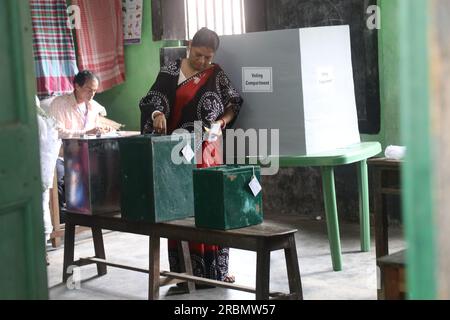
x: 100, y: 41
x: 54, y: 53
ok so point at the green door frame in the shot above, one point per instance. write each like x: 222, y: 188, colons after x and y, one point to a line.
x: 418, y: 206
x: 23, y: 273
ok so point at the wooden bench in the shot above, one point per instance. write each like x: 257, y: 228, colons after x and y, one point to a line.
x: 392, y: 267
x: 114, y: 222
x: 262, y: 239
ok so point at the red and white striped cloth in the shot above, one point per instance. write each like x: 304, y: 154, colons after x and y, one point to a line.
x: 54, y: 52
x: 100, y: 41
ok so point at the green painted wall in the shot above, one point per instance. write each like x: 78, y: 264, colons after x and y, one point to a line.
x: 389, y: 76
x: 142, y: 66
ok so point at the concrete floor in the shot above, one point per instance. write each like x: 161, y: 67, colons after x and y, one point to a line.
x: 358, y: 280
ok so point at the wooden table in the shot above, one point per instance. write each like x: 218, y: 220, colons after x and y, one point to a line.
x: 262, y: 239
x: 386, y: 178
x: 327, y: 161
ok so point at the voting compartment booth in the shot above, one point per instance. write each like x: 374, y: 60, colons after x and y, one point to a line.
x: 299, y: 81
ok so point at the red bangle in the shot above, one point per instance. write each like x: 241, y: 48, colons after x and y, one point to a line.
x: 224, y: 124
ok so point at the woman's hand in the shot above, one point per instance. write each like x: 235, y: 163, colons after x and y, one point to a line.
x: 92, y: 131
x: 160, y: 123
x: 221, y: 123
x: 216, y: 130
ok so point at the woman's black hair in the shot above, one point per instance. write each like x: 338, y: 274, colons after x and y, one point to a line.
x: 206, y: 38
x: 83, y: 76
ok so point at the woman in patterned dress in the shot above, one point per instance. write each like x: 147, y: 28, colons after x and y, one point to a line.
x: 186, y: 91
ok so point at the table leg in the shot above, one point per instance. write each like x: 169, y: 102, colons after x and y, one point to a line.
x: 381, y: 220
x: 99, y: 249
x: 364, y: 217
x: 329, y: 195
x: 293, y: 270
x: 262, y: 271
x: 186, y: 263
x: 69, y: 248
x: 381, y: 228
x: 153, y: 276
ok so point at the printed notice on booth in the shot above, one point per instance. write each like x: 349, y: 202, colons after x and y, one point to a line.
x: 257, y: 79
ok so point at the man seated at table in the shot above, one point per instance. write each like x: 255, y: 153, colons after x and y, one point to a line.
x: 77, y: 114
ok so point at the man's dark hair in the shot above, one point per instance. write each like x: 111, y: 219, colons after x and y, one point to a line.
x: 83, y: 76
x: 206, y: 38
